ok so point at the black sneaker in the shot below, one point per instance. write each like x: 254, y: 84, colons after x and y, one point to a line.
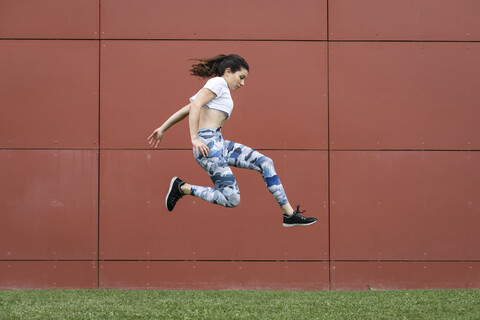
x: 297, y: 220
x: 174, y: 193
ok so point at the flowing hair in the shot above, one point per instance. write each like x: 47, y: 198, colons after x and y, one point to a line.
x: 217, y: 65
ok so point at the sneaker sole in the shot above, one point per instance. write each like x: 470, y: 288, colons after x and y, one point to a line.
x: 169, y: 191
x: 298, y: 224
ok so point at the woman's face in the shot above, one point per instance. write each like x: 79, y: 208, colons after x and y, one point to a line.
x: 235, y: 80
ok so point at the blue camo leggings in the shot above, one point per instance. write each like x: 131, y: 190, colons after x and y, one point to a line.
x: 222, y: 155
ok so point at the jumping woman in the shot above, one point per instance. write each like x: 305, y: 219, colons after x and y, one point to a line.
x: 208, y: 110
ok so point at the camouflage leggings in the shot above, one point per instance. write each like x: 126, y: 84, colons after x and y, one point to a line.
x: 222, y: 155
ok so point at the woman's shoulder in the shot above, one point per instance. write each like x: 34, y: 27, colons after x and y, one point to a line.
x: 217, y: 80
x: 217, y: 85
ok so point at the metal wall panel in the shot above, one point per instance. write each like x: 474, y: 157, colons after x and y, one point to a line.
x: 48, y: 274
x: 273, y: 20
x: 145, y: 82
x: 413, y: 212
x: 404, y: 275
x: 396, y: 205
x: 214, y: 275
x: 52, y: 19
x: 404, y: 95
x: 404, y: 20
x: 134, y: 223
x: 48, y: 94
x: 48, y: 204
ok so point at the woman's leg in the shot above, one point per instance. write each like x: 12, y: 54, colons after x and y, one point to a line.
x: 245, y: 157
x: 226, y: 192
x: 224, y: 154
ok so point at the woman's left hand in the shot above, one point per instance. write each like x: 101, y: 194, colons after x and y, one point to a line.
x: 200, y: 147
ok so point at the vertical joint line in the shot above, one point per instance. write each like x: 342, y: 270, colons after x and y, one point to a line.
x: 98, y: 145
x: 328, y: 153
x: 328, y: 23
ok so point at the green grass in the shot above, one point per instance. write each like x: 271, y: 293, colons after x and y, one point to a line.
x: 153, y: 304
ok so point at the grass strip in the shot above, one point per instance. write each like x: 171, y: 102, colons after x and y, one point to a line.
x: 155, y: 304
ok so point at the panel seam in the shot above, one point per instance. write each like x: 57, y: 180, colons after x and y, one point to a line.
x: 328, y: 153
x: 99, y: 137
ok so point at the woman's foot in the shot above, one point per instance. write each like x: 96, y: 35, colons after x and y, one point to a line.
x: 296, y: 219
x: 174, y: 193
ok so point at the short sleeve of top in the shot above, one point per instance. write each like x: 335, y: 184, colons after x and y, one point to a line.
x: 223, y: 101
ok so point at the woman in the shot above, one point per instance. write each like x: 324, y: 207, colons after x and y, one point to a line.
x: 208, y: 110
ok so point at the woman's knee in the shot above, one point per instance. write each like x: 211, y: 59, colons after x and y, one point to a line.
x: 266, y: 164
x: 233, y: 200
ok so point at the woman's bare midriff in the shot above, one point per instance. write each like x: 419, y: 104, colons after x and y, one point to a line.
x: 211, y: 118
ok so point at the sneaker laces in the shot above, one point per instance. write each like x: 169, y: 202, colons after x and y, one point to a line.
x: 298, y: 210
x: 296, y: 213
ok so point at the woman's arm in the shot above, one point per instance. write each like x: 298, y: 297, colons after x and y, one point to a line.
x: 192, y: 109
x: 156, y: 137
x: 204, y: 97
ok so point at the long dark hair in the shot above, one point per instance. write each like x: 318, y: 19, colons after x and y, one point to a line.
x: 217, y: 65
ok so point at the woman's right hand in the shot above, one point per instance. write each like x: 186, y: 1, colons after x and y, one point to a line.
x: 155, y: 138
x: 200, y: 147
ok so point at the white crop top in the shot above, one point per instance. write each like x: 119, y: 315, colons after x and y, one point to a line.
x: 223, y: 101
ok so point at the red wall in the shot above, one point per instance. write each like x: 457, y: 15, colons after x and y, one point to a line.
x: 368, y: 108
